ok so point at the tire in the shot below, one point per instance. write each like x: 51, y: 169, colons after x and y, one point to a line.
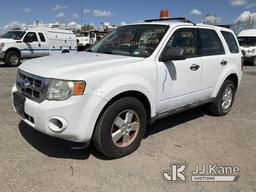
x: 12, y: 59
x: 113, y: 121
x: 254, y: 61
x: 224, y: 101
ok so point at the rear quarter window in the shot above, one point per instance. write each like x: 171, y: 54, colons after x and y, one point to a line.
x: 231, y: 42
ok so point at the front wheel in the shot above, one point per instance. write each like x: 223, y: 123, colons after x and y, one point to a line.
x: 121, y: 127
x: 224, y: 100
x: 12, y: 59
x: 254, y: 61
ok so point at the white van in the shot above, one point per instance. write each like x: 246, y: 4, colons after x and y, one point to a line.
x: 35, y: 42
x: 247, y: 41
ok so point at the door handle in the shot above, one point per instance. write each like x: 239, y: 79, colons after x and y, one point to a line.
x: 194, y: 67
x: 223, y: 62
x: 39, y: 45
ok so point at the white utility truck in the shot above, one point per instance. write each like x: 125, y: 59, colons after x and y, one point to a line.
x: 133, y: 76
x: 35, y: 42
x: 85, y: 39
x: 247, y: 41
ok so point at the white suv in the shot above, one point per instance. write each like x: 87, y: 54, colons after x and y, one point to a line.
x: 133, y: 76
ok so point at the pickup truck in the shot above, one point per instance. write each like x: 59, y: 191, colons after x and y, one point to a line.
x: 35, y: 42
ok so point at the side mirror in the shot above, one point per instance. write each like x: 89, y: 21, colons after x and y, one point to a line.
x: 173, y: 53
x: 243, y: 52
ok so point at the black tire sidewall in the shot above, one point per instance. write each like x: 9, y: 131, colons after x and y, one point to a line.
x: 107, y: 147
x: 227, y: 83
x: 8, y: 56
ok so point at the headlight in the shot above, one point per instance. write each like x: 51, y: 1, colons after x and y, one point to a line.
x: 1, y: 45
x: 62, y: 89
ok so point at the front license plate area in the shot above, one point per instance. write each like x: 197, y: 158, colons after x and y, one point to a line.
x: 19, y: 103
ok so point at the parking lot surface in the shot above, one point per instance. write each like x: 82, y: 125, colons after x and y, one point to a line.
x: 31, y: 161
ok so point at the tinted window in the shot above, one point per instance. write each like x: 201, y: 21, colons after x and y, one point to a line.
x: 247, y: 41
x: 186, y: 39
x: 32, y: 36
x: 17, y: 35
x: 42, y: 38
x: 210, y: 43
x: 231, y: 41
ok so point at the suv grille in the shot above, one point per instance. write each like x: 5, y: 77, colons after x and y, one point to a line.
x: 33, y: 87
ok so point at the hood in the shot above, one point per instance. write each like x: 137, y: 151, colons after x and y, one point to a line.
x: 71, y: 66
x: 7, y: 41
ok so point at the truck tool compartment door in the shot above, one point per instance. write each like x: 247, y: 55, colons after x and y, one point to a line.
x: 179, y: 80
x: 31, y: 45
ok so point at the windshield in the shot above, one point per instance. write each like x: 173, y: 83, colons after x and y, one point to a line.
x: 83, y: 34
x: 247, y: 41
x: 17, y: 35
x: 131, y: 40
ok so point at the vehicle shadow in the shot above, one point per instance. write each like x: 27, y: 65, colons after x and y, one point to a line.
x: 172, y: 121
x: 58, y: 148
x: 54, y: 147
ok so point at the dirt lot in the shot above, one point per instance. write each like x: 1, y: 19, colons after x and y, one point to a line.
x: 30, y: 161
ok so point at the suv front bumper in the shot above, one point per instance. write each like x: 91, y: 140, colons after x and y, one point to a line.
x: 2, y: 54
x: 79, y: 114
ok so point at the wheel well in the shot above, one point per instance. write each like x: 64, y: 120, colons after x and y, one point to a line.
x: 233, y: 77
x: 12, y: 49
x: 65, y: 51
x: 136, y: 94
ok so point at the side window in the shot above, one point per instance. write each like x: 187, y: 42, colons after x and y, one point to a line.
x: 42, y: 38
x: 231, y: 41
x: 184, y: 38
x: 31, y: 36
x: 92, y: 35
x: 210, y: 43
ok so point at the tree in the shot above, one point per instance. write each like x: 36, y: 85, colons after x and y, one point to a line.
x: 87, y: 27
x: 246, y: 20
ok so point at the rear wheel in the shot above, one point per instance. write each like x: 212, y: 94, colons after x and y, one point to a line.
x: 225, y: 98
x: 12, y: 58
x: 121, y: 128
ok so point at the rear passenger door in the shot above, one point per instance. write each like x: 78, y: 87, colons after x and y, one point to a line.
x: 213, y: 56
x: 44, y: 45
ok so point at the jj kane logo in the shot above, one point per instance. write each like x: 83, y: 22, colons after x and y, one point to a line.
x: 201, y: 173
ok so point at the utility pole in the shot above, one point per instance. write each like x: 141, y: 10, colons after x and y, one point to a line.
x: 81, y: 13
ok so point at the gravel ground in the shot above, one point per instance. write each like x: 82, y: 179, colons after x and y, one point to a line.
x: 31, y: 161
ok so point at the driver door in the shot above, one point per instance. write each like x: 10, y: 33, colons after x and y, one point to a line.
x: 31, y: 45
x: 179, y: 81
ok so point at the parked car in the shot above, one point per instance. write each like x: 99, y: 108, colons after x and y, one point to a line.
x: 35, y: 42
x: 135, y: 75
x: 247, y: 41
x: 85, y: 39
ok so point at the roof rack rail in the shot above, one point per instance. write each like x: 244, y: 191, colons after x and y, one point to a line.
x: 183, y: 19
